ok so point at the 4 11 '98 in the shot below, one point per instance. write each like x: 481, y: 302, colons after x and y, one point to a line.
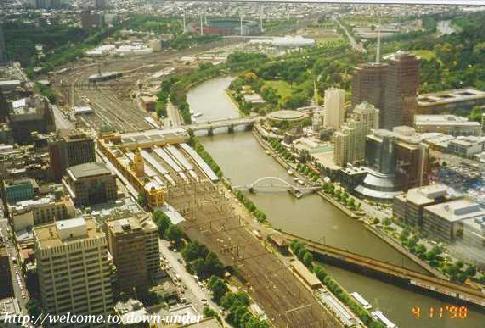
x: 445, y: 311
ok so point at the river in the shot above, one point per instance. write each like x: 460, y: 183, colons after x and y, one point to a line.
x: 243, y: 161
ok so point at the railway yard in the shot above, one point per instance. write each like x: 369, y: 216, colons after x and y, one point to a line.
x: 212, y: 219
x: 217, y: 221
x: 190, y: 186
x: 113, y: 102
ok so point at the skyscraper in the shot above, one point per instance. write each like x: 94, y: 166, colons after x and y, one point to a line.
x: 391, y: 87
x: 350, y: 139
x: 334, y: 108
x: 401, y: 93
x: 73, y: 267
x: 133, y: 243
x: 369, y: 84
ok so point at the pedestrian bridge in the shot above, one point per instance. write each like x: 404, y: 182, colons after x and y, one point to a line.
x: 463, y: 293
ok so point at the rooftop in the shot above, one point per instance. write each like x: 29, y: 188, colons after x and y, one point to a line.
x: 450, y: 96
x: 427, y: 194
x: 129, y: 224
x: 443, y: 120
x: 66, y: 231
x: 86, y: 170
x: 457, y: 210
x: 286, y: 115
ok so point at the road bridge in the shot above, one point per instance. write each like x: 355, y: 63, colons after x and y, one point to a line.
x: 395, y: 274
x: 276, y: 184
x: 229, y: 123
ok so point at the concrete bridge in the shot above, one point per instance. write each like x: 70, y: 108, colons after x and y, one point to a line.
x: 276, y: 184
x: 230, y: 124
x: 463, y: 293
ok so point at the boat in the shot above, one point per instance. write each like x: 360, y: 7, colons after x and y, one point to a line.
x: 295, y: 179
x: 267, y: 152
x: 198, y: 114
x: 300, y: 181
x: 362, y: 301
x: 378, y: 315
x: 291, y: 172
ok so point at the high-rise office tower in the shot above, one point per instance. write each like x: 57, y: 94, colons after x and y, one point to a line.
x: 133, y: 243
x: 334, y: 108
x: 391, y: 87
x: 70, y: 150
x: 73, y: 267
x: 368, y: 84
x: 401, y: 93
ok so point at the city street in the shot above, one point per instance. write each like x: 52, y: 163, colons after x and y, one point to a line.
x: 197, y: 295
x: 16, y: 278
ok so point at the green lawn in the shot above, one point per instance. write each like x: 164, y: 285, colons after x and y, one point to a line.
x: 282, y: 87
x: 425, y: 54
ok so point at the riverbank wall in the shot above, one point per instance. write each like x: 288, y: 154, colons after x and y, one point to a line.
x: 378, y: 233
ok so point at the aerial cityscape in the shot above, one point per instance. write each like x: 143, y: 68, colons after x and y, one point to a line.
x: 246, y: 164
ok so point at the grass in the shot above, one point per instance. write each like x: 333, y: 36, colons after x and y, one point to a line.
x: 425, y: 54
x: 282, y: 87
x: 323, y: 41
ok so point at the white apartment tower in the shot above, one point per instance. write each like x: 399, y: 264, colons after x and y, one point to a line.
x: 73, y: 267
x: 334, y: 108
x: 350, y: 139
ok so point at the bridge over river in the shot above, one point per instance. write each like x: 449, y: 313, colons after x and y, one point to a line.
x: 276, y: 184
x: 229, y: 123
x: 465, y: 293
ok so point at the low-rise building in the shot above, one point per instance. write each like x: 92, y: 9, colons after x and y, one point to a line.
x: 466, y: 146
x: 409, y: 206
x: 446, y: 124
x: 306, y: 275
x: 450, y: 101
x: 90, y: 183
x: 27, y: 213
x: 445, y: 221
x: 18, y: 190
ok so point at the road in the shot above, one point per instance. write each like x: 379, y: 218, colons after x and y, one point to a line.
x: 18, y: 288
x: 352, y: 41
x: 173, y: 116
x: 194, y: 292
x: 61, y: 121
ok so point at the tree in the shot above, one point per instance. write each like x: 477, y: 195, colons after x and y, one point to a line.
x: 194, y: 250
x: 308, y: 259
x: 162, y: 221
x: 34, y: 308
x: 142, y: 200
x: 174, y: 234
x: 218, y: 288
